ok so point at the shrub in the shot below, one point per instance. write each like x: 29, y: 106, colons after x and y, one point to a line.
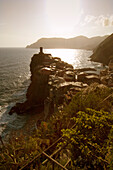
x: 92, y: 97
x: 18, y: 151
x: 87, y: 142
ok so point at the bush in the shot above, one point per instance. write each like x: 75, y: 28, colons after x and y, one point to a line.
x: 109, y: 156
x: 87, y: 142
x: 18, y: 151
x: 92, y: 97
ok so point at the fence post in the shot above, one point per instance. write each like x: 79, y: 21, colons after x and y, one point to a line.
x: 53, y: 164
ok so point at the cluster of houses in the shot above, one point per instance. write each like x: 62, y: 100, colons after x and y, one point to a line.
x: 53, y: 81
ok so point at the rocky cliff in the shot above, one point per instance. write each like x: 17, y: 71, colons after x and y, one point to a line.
x: 47, y: 75
x: 104, y: 52
x: 52, y: 83
x: 80, y: 42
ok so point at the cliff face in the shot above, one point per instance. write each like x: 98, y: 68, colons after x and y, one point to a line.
x: 46, y: 74
x: 104, y: 52
x: 80, y: 42
x: 53, y: 82
x: 38, y: 89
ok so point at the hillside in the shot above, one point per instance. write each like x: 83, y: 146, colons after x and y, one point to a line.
x: 104, y: 52
x: 79, y: 42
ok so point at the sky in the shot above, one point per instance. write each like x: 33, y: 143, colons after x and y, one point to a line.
x: 23, y: 22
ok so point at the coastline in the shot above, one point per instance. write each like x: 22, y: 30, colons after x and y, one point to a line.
x: 69, y: 98
x: 76, y: 86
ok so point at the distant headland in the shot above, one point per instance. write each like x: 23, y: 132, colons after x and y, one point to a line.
x: 79, y: 42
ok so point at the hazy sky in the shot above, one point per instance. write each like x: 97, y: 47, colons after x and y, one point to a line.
x: 23, y: 22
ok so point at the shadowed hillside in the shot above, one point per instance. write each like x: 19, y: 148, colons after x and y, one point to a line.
x: 104, y: 52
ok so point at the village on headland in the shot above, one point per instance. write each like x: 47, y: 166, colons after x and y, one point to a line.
x: 72, y: 113
x: 54, y: 82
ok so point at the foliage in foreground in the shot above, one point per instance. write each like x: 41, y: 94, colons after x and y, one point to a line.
x: 91, y: 139
x: 20, y: 150
x: 92, y: 97
x: 88, y: 142
x: 17, y: 152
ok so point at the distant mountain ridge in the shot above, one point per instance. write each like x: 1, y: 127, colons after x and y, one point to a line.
x: 79, y: 42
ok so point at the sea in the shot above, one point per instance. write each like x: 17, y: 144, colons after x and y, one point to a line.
x: 15, y: 79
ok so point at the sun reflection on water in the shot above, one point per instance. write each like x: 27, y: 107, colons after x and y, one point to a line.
x: 78, y: 58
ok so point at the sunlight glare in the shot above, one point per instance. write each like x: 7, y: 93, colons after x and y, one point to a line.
x: 67, y: 55
x: 62, y: 16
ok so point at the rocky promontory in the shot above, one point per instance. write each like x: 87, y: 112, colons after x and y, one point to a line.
x: 53, y: 83
x: 51, y: 79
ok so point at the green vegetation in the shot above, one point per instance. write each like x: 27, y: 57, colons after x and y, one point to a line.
x: 90, y: 142
x: 92, y: 97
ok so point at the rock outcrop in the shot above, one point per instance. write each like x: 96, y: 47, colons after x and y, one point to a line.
x: 52, y: 81
x: 104, y: 52
x: 47, y: 73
